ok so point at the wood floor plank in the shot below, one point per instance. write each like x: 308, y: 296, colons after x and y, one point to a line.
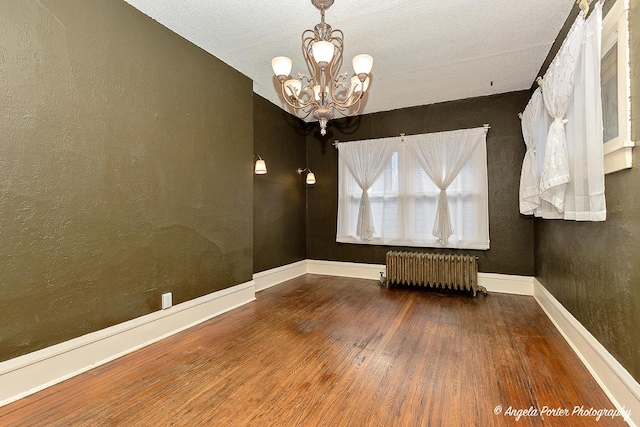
x: 327, y: 351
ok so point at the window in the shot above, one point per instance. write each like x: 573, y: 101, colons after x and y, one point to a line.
x: 615, y: 84
x: 404, y: 201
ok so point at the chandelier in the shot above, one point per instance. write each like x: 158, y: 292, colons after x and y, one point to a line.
x: 324, y: 90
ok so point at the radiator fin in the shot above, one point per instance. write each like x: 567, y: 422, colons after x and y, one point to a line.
x: 440, y: 271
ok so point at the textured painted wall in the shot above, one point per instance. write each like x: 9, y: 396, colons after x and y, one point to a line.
x: 279, y: 198
x: 511, y: 234
x: 125, y: 170
x: 593, y: 269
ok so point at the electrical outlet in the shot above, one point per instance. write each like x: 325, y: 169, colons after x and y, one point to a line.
x: 166, y: 300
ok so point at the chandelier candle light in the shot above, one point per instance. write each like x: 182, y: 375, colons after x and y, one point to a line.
x: 325, y: 90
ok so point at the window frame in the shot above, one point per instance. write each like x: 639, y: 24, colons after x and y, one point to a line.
x: 406, y: 234
x: 615, y: 31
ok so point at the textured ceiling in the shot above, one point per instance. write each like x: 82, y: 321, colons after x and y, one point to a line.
x: 425, y: 51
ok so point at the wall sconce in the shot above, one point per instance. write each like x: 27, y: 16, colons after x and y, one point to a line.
x: 311, y: 177
x: 261, y: 166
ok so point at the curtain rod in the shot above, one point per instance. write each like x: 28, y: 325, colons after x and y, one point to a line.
x: 487, y: 126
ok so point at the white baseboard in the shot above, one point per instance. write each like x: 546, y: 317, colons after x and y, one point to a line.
x: 345, y: 269
x: 613, y: 378
x: 502, y: 283
x: 266, y: 279
x: 25, y: 375
x: 506, y: 283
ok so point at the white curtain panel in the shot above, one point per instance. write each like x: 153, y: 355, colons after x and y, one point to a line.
x: 404, y: 201
x: 442, y: 155
x: 529, y: 177
x: 584, y: 197
x: 541, y: 130
x: 366, y: 160
x: 557, y: 87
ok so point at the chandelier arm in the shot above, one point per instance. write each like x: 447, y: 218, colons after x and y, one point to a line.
x: 306, y: 113
x: 347, y: 110
x: 351, y: 100
x: 287, y: 98
x: 342, y: 108
x: 295, y: 105
x: 336, y: 37
x: 308, y: 38
x: 298, y: 109
x: 337, y: 84
x: 307, y: 78
x: 358, y: 105
x: 348, y: 103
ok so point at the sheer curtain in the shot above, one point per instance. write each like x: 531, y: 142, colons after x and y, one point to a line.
x: 541, y: 130
x: 442, y: 155
x: 584, y: 198
x: 529, y: 177
x: 557, y: 87
x: 404, y: 199
x: 366, y: 160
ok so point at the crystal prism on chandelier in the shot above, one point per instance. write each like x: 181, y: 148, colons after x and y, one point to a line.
x: 324, y: 90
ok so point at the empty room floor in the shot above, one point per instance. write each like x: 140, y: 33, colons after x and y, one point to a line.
x: 332, y: 351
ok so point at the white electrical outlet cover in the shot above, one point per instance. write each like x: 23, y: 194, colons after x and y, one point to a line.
x: 166, y: 301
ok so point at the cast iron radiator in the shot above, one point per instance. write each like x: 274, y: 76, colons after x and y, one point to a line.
x: 443, y: 271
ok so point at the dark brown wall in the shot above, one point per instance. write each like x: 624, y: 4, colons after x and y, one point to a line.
x: 125, y: 170
x: 593, y: 269
x: 511, y: 234
x: 279, y: 197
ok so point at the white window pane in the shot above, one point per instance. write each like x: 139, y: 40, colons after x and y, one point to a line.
x: 425, y: 207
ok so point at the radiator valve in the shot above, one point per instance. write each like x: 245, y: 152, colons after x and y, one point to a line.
x: 383, y: 279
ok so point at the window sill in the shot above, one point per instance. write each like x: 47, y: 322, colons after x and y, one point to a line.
x: 617, y: 155
x: 416, y: 244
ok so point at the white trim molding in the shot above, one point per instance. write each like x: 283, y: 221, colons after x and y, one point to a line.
x: 618, y: 155
x: 502, y: 283
x: 266, y: 279
x: 615, y: 33
x: 506, y: 283
x: 346, y: 269
x: 25, y: 375
x: 613, y: 378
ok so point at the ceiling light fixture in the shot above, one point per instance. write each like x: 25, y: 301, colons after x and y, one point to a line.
x: 325, y: 90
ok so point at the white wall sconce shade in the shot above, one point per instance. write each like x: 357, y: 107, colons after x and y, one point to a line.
x: 311, y: 177
x: 260, y: 167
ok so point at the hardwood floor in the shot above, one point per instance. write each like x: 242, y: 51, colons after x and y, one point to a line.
x: 329, y: 351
